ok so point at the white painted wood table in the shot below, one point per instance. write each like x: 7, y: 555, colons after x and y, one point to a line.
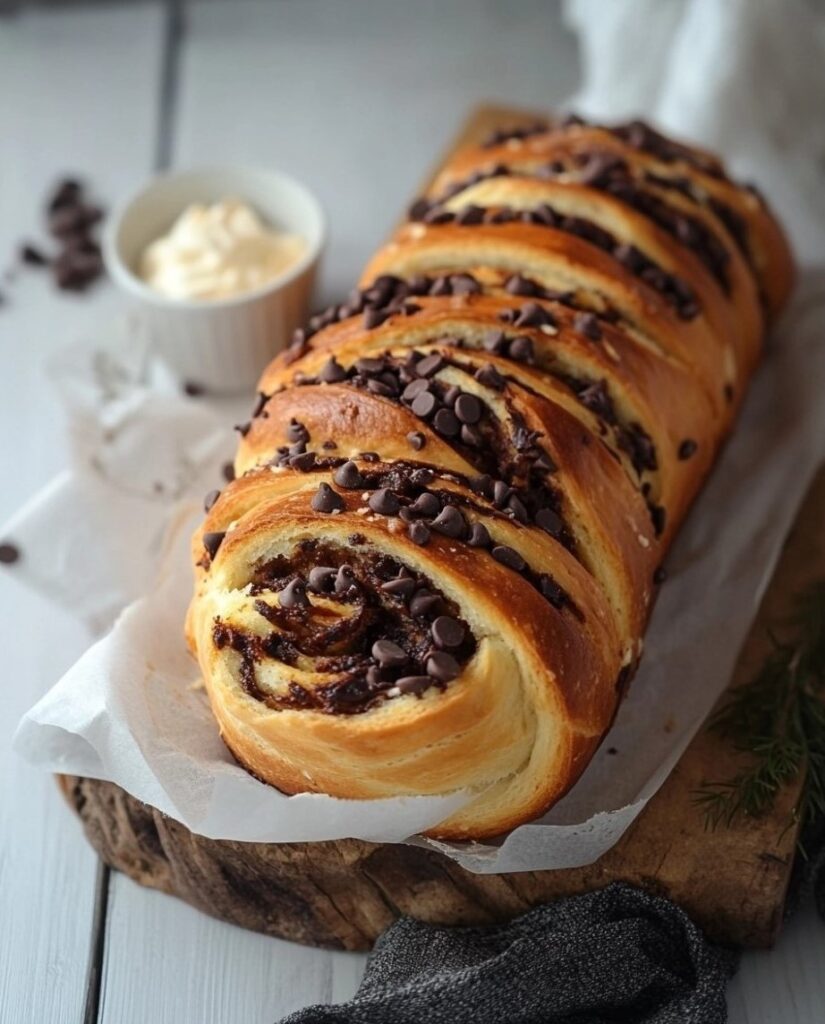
x: 356, y: 99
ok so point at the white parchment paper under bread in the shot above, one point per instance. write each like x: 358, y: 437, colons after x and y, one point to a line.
x: 109, y: 538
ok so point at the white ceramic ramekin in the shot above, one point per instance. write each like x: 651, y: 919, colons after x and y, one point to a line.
x: 221, y: 345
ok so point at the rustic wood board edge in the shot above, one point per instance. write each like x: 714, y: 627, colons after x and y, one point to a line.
x: 343, y: 894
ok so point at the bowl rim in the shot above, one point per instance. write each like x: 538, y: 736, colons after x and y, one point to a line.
x: 126, y: 277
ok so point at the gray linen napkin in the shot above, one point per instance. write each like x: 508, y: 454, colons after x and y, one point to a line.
x: 616, y: 955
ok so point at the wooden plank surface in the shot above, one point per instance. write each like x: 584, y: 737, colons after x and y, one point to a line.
x: 260, y: 81
x: 56, y: 116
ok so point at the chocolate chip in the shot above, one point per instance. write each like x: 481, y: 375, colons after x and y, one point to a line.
x: 534, y: 315
x: 296, y: 432
x: 294, y: 595
x: 418, y: 533
x: 449, y: 522
x: 495, y: 342
x: 424, y: 404
x: 429, y: 365
x: 384, y: 502
x: 447, y: 632
x: 509, y: 556
x: 378, y: 387
x: 588, y: 325
x: 416, y: 439
x: 374, y: 317
x: 210, y: 499
x: 470, y: 215
x: 450, y: 396
x: 212, y: 541
x: 192, y: 389
x: 10, y: 553
x: 327, y: 500
x: 32, y: 256
x: 442, y: 666
x: 426, y: 504
x: 658, y: 516
x: 322, y: 578
x: 518, y: 285
x: 389, y: 654
x: 423, y: 603
x: 553, y: 592
x: 471, y: 436
x: 516, y: 506
x: 228, y: 471
x: 660, y: 575
x: 549, y: 521
x: 468, y: 408
x: 464, y: 284
x: 521, y: 349
x: 501, y: 492
x: 687, y: 448
x: 446, y: 422
x: 332, y: 372
x: 419, y: 209
x: 479, y: 536
x: 348, y: 475
x: 243, y: 428
x: 489, y: 377
x: 402, y: 587
x: 302, y: 461
x: 414, y: 684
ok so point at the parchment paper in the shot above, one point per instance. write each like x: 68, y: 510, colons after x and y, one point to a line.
x: 114, y: 529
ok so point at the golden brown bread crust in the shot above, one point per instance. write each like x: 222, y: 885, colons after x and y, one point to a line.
x: 484, y: 455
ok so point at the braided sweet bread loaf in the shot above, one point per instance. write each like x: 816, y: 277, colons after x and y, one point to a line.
x: 435, y: 565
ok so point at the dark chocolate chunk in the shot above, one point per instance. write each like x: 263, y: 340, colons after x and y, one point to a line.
x: 414, y: 389
x: 470, y: 215
x: 553, y: 592
x: 418, y: 533
x: 322, y: 578
x: 509, y: 556
x: 302, y: 461
x: 464, y: 284
x: 294, y: 595
x: 450, y: 396
x: 348, y: 475
x: 450, y: 522
x: 417, y: 439
x: 418, y: 209
x: 210, y: 499
x: 501, y: 492
x: 384, y: 502
x: 368, y: 367
x: 687, y: 448
x: 495, y: 342
x: 516, y: 506
x: 442, y: 666
x: 658, y: 516
x: 327, y: 500
x: 471, y: 436
x: 212, y: 541
x: 10, y: 553
x: 389, y: 654
x: 243, y: 428
x: 447, y: 632
x: 534, y: 315
x: 228, y: 471
x: 660, y: 575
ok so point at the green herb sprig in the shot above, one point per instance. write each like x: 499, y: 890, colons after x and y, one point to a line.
x: 778, y: 721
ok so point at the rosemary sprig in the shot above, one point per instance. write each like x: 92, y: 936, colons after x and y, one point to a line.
x: 778, y: 721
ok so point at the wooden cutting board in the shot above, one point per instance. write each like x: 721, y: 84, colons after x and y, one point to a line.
x: 733, y: 882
